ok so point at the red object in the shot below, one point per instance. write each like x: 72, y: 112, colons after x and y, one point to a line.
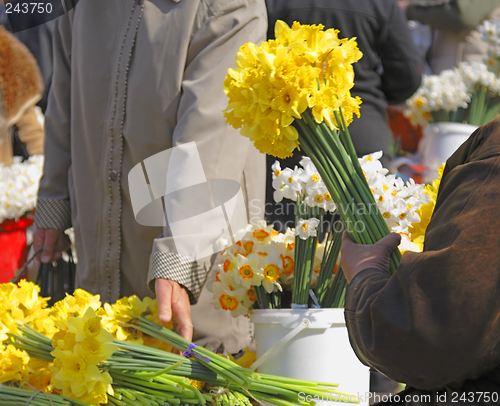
x: 13, y: 248
x: 408, y: 134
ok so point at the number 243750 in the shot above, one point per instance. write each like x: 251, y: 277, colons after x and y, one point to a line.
x: 28, y: 8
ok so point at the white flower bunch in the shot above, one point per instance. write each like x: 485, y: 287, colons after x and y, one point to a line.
x: 262, y: 258
x: 302, y: 183
x: 477, y: 74
x: 397, y: 201
x: 440, y: 97
x: 446, y: 92
x: 19, y: 187
x: 489, y: 32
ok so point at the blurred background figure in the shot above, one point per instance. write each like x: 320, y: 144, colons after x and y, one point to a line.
x: 452, y: 23
x: 36, y: 35
x: 388, y: 73
x: 20, y: 89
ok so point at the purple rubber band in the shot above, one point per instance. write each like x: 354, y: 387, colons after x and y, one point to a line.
x: 189, y: 353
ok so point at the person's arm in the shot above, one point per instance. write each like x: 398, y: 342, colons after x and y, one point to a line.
x: 402, y: 66
x: 53, y: 214
x: 31, y: 132
x: 435, y: 321
x: 220, y: 29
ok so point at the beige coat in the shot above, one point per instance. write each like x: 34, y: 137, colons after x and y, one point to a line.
x: 133, y: 78
x: 20, y: 88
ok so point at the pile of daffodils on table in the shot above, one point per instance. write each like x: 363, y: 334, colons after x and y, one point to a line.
x: 259, y: 270
x: 19, y: 187
x: 79, y: 352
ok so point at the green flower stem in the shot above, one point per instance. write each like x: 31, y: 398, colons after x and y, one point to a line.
x: 262, y: 297
x: 327, y: 267
x: 154, y: 392
x: 334, y: 295
x: 166, y: 385
x: 218, y: 364
x: 362, y: 185
x: 183, y: 382
x: 33, y: 352
x: 304, y: 261
x: 334, y: 182
x: 356, y: 187
x: 18, y: 394
x: 345, y: 136
x: 271, y: 399
x: 331, y: 181
x: 125, y: 393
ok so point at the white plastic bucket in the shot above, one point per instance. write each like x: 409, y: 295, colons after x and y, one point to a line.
x: 440, y: 141
x: 317, y: 348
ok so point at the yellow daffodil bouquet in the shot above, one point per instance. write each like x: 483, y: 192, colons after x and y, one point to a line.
x: 294, y: 92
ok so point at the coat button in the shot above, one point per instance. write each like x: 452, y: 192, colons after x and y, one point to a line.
x: 114, y: 175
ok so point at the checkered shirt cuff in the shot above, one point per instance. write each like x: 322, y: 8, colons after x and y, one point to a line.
x: 55, y: 214
x: 184, y: 271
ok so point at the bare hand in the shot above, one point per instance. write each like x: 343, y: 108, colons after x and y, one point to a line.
x: 53, y: 242
x: 358, y: 257
x: 173, y: 305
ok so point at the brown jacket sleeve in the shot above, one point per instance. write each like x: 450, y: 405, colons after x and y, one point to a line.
x: 31, y: 132
x: 436, y: 321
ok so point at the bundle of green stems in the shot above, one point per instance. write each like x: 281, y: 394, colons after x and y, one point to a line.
x: 147, y: 376
x: 334, y: 156
x: 14, y: 396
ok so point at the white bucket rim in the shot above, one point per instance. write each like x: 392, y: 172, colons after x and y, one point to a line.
x: 290, y: 318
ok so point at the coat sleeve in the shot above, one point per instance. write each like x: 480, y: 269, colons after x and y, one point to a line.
x: 435, y: 321
x: 402, y: 66
x: 220, y: 29
x: 31, y: 132
x: 53, y: 206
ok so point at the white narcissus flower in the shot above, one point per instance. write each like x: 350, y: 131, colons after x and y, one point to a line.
x: 404, y: 217
x: 310, y: 176
x: 396, y: 200
x: 236, y: 300
x: 287, y: 184
x: 247, y: 270
x: 19, y: 187
x: 306, y: 228
x: 406, y: 244
x: 271, y: 272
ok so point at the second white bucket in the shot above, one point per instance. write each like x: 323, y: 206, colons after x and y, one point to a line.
x: 310, y: 344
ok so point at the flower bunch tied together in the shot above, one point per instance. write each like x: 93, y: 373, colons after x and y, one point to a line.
x: 81, y: 363
x: 295, y: 92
